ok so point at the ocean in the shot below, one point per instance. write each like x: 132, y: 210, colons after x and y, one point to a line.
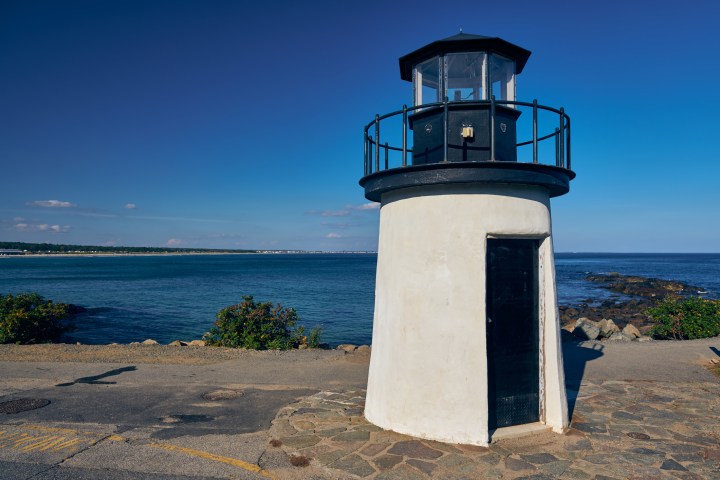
x: 171, y: 297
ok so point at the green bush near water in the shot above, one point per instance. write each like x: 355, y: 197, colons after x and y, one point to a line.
x: 259, y: 326
x: 28, y: 318
x: 685, y: 318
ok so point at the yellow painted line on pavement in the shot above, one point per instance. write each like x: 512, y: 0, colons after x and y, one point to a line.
x: 48, y: 440
x: 217, y: 458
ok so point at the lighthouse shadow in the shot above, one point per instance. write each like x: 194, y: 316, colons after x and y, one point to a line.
x: 575, y: 357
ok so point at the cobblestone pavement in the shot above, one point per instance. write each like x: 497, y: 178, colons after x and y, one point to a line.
x: 620, y: 430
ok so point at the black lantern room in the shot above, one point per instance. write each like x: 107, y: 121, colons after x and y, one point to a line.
x: 464, y: 122
x: 464, y: 69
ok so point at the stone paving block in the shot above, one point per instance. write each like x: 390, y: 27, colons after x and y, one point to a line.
x: 539, y: 458
x: 446, y: 447
x: 626, y: 416
x: 556, y: 468
x: 517, y: 464
x: 315, y: 450
x: 491, y: 459
x: 374, y: 448
x: 368, y: 428
x: 425, y: 467
x: 454, y: 460
x: 300, y: 441
x: 580, y: 445
x: 386, y: 462
x: 283, y: 427
x: 330, y: 456
x: 588, y: 427
x: 575, y: 474
x: 686, y: 457
x: 671, y: 464
x: 354, y: 464
x: 414, y: 449
x: 536, y: 476
x: 304, y: 425
x: 401, y: 472
x: 354, y: 436
x: 330, y: 432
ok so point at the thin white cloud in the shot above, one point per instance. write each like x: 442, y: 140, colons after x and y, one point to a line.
x: 41, y: 227
x: 368, y: 206
x: 130, y: 206
x: 335, y: 213
x: 348, y: 210
x: 183, y: 219
x: 173, y: 242
x: 341, y: 225
x: 52, y: 204
x: 333, y: 235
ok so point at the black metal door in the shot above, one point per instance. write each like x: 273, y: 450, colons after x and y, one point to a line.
x: 512, y: 332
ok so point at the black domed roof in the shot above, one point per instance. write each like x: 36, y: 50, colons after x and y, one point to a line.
x: 463, y: 42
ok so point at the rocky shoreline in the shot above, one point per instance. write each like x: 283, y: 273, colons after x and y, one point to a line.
x: 624, y: 318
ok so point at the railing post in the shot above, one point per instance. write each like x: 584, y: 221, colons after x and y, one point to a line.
x: 365, y: 153
x: 557, y: 147
x: 445, y: 130
x: 535, y: 129
x: 377, y: 142
x: 568, y: 144
x: 492, y: 128
x: 562, y: 137
x: 386, y: 155
x: 404, y: 152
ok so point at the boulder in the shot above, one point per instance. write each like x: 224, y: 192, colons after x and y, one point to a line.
x: 645, y: 338
x: 178, y: 343
x: 197, y: 343
x: 302, y: 346
x: 631, y: 331
x: 619, y: 337
x: 363, y: 349
x: 150, y: 341
x: 607, y: 327
x: 586, y: 329
x: 348, y: 347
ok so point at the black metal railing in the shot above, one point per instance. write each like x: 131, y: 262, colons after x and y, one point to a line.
x: 375, y: 149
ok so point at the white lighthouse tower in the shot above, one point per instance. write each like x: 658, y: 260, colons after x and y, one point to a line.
x: 466, y: 337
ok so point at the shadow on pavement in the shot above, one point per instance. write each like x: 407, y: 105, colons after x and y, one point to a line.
x: 94, y: 380
x: 575, y: 357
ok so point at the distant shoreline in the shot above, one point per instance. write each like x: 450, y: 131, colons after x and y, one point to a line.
x: 178, y: 254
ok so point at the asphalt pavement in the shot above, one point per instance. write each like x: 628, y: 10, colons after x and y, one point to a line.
x: 103, y: 416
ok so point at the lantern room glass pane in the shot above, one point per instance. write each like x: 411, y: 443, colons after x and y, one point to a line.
x: 426, y: 81
x: 502, y: 78
x: 465, y: 76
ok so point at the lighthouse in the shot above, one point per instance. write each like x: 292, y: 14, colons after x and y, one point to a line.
x: 466, y: 338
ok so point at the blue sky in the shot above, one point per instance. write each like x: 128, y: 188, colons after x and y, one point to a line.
x: 224, y: 124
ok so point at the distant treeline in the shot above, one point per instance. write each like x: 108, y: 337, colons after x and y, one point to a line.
x: 53, y: 248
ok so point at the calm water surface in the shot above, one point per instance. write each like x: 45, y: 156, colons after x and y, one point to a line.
x: 176, y: 297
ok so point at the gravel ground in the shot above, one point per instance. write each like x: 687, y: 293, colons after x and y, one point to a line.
x: 152, y: 354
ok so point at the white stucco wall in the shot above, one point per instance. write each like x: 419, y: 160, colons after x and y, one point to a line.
x: 428, y: 371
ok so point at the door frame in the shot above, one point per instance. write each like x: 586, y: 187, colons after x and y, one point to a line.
x: 541, y: 259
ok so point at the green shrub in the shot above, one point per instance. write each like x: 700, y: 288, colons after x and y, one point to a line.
x: 258, y: 326
x: 685, y: 318
x: 29, y: 318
